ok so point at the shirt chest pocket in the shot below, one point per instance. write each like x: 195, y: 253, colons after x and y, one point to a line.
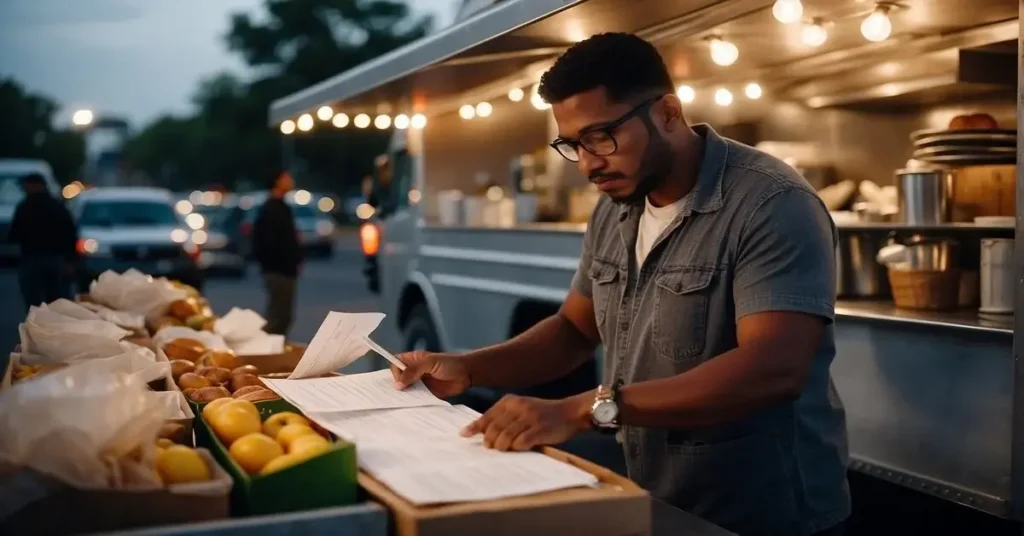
x: 605, y: 284
x: 681, y: 312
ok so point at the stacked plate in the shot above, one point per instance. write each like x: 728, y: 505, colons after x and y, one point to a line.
x: 965, y: 147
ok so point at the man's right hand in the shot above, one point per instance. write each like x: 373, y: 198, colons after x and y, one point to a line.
x: 444, y: 374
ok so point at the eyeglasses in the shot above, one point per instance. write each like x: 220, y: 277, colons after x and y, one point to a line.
x: 598, y: 141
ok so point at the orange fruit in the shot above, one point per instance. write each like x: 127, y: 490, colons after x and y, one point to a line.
x: 288, y: 434
x: 308, y: 446
x: 214, y: 406
x: 246, y: 405
x: 253, y: 451
x: 277, y: 421
x: 178, y: 464
x: 232, y: 422
x: 279, y: 463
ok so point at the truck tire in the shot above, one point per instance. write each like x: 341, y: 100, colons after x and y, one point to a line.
x: 419, y: 331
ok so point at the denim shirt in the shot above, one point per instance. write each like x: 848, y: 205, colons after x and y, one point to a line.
x: 751, y: 237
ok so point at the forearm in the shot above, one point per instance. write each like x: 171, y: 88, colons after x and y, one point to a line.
x: 549, y: 350
x: 731, y: 386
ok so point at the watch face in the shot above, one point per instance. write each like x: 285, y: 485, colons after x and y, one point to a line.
x: 605, y: 412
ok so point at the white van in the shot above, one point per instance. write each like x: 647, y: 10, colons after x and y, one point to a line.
x: 11, y: 172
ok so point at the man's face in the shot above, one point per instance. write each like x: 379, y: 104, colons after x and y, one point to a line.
x: 642, y: 158
x: 285, y: 183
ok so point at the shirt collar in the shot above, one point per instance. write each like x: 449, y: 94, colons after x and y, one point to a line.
x: 707, y: 194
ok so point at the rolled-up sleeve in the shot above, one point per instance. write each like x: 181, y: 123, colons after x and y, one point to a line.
x: 786, y: 258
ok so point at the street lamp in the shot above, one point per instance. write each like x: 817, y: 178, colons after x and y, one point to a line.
x: 82, y: 118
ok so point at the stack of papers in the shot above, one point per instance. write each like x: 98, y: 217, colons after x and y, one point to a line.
x: 409, y: 439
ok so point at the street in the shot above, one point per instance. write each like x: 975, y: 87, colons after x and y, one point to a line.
x: 337, y: 284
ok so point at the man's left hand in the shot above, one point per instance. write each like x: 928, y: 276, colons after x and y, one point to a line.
x: 522, y: 423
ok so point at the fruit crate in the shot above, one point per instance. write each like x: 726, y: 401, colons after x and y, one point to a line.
x: 329, y: 479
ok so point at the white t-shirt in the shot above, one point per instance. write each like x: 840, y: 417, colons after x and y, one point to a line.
x: 653, y: 222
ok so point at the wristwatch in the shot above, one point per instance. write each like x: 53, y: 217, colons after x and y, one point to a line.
x: 604, y: 412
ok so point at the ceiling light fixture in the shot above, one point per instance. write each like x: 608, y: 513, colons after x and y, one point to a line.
x: 723, y: 97
x: 686, y: 93
x: 787, y: 11
x: 877, y: 26
x: 305, y: 122
x: 723, y: 52
x: 814, y: 33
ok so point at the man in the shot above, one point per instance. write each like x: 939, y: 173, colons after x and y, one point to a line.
x: 47, y: 238
x: 707, y: 273
x: 277, y: 250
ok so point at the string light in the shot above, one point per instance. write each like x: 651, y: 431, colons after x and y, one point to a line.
x: 325, y: 113
x: 484, y: 109
x: 467, y: 112
x: 723, y: 52
x: 787, y: 11
x: 753, y: 91
x: 536, y: 100
x: 877, y: 26
x: 401, y: 121
x: 340, y: 121
x: 361, y: 121
x: 287, y: 127
x: 516, y: 94
x: 814, y: 34
x: 418, y: 121
x: 686, y: 94
x: 382, y: 121
x: 305, y: 122
x: 723, y: 97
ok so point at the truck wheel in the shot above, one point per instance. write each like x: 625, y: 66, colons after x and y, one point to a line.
x: 419, y: 331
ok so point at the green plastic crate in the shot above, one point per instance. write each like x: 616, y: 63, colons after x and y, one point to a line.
x: 329, y: 479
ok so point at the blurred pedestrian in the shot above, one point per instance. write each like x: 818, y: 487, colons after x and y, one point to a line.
x: 277, y: 250
x: 46, y: 235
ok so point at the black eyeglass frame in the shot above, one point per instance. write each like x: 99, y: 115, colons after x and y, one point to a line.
x: 607, y: 129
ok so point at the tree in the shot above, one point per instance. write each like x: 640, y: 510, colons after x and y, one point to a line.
x: 294, y: 44
x: 28, y: 131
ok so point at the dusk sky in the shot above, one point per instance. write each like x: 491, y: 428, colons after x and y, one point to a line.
x: 134, y: 58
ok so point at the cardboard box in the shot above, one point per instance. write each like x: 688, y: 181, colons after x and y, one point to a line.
x: 617, y: 507
x: 275, y: 363
x: 60, y: 509
x: 323, y: 481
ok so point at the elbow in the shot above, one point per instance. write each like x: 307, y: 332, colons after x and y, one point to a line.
x: 791, y: 381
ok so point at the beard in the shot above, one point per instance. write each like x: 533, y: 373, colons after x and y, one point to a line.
x: 655, y: 166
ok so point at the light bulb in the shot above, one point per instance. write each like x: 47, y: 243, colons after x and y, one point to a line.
x: 401, y: 121
x: 287, y: 127
x: 340, y: 120
x: 467, y: 111
x: 877, y: 26
x: 536, y: 100
x: 723, y: 52
x: 723, y: 97
x: 813, y: 34
x: 484, y: 109
x: 325, y: 113
x: 382, y: 121
x: 686, y: 93
x: 305, y: 122
x: 361, y: 121
x: 787, y: 11
x: 418, y: 121
x: 753, y: 91
x: 515, y: 94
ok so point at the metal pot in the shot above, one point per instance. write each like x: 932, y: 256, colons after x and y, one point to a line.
x: 938, y: 254
x: 925, y: 196
x: 858, y: 275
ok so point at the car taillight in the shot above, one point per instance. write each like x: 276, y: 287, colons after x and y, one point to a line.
x: 86, y: 246
x: 369, y: 239
x: 193, y: 251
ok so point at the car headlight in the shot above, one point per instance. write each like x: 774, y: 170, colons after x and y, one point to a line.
x: 324, y: 228
x: 87, y: 247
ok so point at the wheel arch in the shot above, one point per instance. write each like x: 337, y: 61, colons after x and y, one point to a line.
x: 418, y: 290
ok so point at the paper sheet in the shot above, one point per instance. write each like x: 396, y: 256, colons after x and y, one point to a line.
x: 354, y: 392
x: 419, y: 454
x: 337, y: 343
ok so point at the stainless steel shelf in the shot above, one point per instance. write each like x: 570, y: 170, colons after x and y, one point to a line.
x: 893, y: 226
x: 967, y: 319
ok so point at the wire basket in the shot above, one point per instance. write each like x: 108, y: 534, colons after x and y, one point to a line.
x: 925, y: 289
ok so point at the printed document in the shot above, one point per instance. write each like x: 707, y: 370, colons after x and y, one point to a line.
x: 419, y: 454
x: 338, y: 342
x: 352, y: 392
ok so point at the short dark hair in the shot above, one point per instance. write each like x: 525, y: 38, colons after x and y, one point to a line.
x: 624, y: 64
x: 274, y: 177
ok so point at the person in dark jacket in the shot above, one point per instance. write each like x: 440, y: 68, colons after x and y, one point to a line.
x: 278, y: 252
x: 44, y: 231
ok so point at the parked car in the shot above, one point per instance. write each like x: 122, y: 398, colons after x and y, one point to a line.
x: 316, y: 229
x: 219, y: 254
x: 133, y: 227
x: 11, y: 172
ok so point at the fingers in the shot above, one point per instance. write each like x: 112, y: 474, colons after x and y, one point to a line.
x: 416, y: 365
x: 506, y: 438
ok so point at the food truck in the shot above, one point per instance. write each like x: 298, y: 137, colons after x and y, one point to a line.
x: 902, y: 115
